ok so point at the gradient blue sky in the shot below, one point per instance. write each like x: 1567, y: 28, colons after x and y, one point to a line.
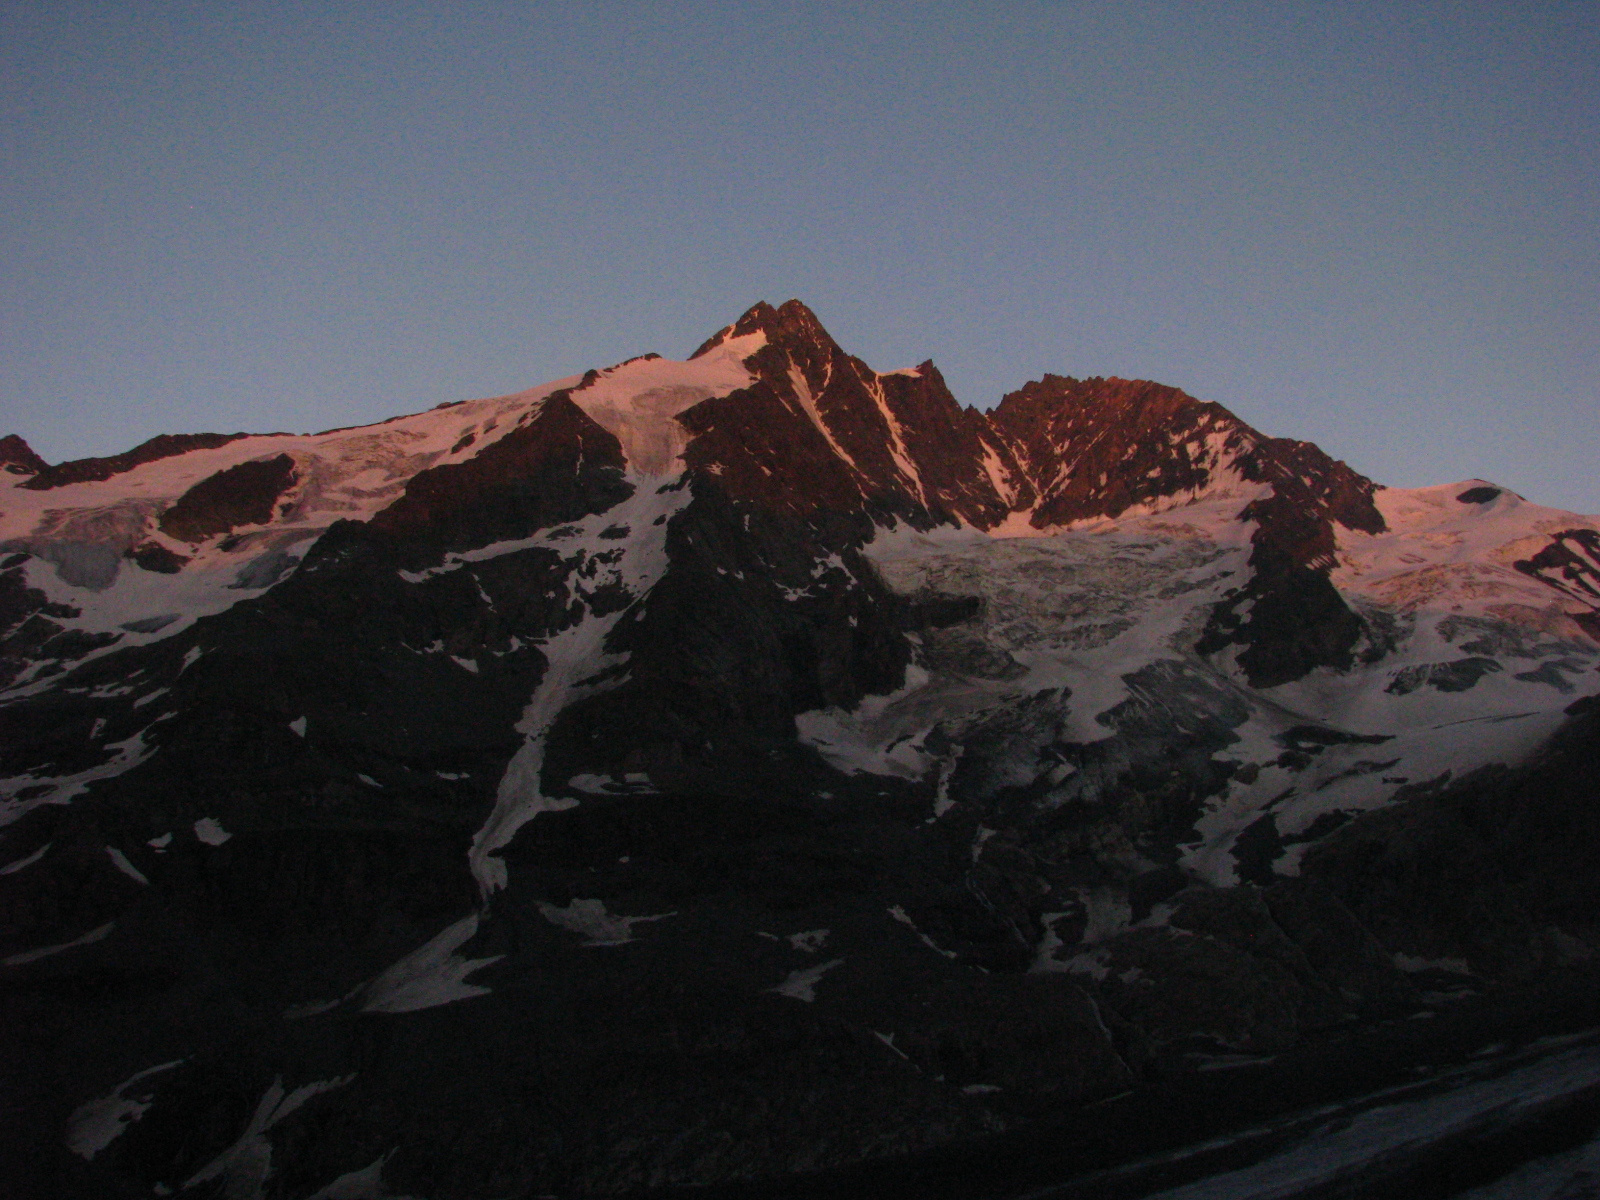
x: 1374, y: 226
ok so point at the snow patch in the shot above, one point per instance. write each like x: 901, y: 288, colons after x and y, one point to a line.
x: 802, y: 985
x: 431, y: 975
x: 864, y: 741
x: 12, y: 867
x: 127, y: 868
x: 61, y: 789
x: 210, y: 831
x: 95, y: 1125
x: 589, y: 918
x: 899, y: 914
x: 28, y: 956
x: 247, y: 1163
x: 365, y: 1184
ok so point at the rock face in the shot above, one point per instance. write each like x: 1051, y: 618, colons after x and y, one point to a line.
x: 1495, y: 876
x: 88, y: 470
x: 1570, y: 563
x: 557, y: 465
x: 241, y: 495
x: 18, y: 458
x: 694, y: 772
x: 821, y: 430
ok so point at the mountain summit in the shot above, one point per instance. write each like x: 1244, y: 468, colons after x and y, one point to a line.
x: 694, y: 771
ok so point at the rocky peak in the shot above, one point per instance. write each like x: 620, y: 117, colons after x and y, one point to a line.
x: 17, y: 457
x: 1097, y: 447
x: 821, y: 429
x: 791, y: 325
x: 1057, y: 451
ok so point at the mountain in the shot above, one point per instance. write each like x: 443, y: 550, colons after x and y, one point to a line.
x: 710, y: 771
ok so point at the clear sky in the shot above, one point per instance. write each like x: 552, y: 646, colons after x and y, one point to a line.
x: 1373, y: 226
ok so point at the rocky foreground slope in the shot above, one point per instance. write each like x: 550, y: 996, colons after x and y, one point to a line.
x: 703, y: 771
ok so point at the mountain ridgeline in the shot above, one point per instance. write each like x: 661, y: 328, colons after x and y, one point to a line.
x: 737, y: 770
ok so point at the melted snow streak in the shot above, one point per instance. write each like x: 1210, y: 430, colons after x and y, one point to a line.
x: 899, y: 914
x: 28, y: 956
x: 21, y: 794
x: 95, y: 1125
x: 19, y: 864
x: 126, y: 867
x: 365, y: 1184
x: 429, y: 976
x: 1343, y: 1147
x: 570, y: 656
x: 575, y: 657
x: 247, y: 1164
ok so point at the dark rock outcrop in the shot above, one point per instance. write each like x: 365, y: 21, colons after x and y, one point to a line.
x: 741, y: 633
x: 32, y: 636
x: 153, y: 556
x: 246, y: 494
x: 557, y: 465
x: 1570, y: 563
x: 1500, y: 871
x: 166, y: 445
x: 17, y: 457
